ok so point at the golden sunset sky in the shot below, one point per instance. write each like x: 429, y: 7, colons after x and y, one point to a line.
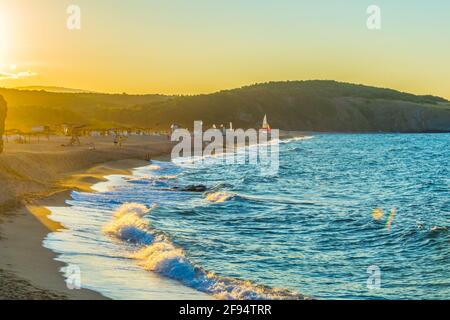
x: 201, y: 46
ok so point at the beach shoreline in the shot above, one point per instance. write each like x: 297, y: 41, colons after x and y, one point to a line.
x: 28, y: 270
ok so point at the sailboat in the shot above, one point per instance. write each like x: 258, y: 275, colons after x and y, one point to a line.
x: 265, y: 125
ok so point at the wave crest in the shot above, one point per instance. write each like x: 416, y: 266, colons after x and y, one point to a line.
x: 128, y: 225
x: 219, y: 196
x: 159, y: 254
x: 153, y: 167
x: 296, y: 139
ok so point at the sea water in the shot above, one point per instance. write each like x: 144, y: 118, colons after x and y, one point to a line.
x: 357, y: 216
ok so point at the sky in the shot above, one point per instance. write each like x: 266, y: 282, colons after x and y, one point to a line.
x: 202, y: 46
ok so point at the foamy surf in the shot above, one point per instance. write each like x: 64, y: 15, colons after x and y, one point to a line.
x: 154, y: 167
x: 296, y: 139
x: 155, y: 252
x: 219, y: 197
x: 239, y: 152
x: 128, y: 224
x: 292, y: 231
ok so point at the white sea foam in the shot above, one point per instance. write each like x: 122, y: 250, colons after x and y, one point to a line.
x: 296, y: 139
x: 158, y: 254
x: 128, y: 224
x: 240, y: 153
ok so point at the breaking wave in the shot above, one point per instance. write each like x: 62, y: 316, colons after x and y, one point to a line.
x: 219, y: 197
x: 154, y: 167
x: 296, y: 139
x: 128, y: 224
x: 155, y: 252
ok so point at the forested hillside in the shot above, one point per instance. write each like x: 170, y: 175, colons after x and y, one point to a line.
x: 293, y: 105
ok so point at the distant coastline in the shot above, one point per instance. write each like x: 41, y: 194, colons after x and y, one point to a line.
x: 321, y: 106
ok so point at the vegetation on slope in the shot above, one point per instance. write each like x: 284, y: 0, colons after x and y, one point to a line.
x: 293, y: 105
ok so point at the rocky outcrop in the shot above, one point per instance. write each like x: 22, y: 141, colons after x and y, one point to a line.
x: 2, y: 121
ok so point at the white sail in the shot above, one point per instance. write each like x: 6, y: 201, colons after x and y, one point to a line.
x: 265, y: 124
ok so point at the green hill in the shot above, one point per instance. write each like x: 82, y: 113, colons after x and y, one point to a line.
x: 29, y: 108
x: 293, y: 105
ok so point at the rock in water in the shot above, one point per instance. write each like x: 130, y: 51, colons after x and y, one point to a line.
x: 2, y: 121
x: 193, y: 188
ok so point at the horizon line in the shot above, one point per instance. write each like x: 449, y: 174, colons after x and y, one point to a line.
x: 85, y: 91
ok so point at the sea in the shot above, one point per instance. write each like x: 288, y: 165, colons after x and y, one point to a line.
x: 345, y: 216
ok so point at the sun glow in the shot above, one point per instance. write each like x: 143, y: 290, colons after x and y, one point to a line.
x: 3, y: 38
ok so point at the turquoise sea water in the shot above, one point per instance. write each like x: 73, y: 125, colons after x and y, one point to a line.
x: 309, y: 230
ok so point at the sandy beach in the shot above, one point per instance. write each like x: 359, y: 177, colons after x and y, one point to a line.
x: 40, y: 174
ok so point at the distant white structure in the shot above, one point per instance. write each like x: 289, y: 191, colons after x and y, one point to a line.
x: 39, y: 129
x: 173, y: 127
